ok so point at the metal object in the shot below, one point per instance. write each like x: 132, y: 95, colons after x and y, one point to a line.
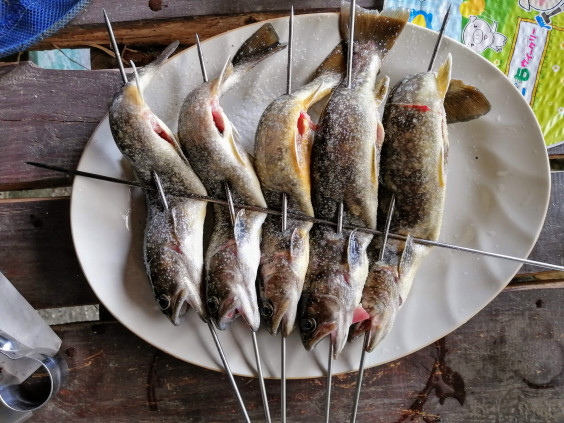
x: 299, y: 216
x: 115, y: 46
x: 201, y: 57
x: 261, y: 378
x: 329, y: 377
x: 290, y: 53
x: 283, y: 380
x: 340, y: 213
x: 438, y: 43
x: 366, y: 336
x: 230, y: 204
x: 228, y: 371
x: 160, y: 190
x: 350, y: 50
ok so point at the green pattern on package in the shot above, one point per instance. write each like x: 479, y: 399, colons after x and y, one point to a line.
x: 523, y: 38
x: 528, y: 46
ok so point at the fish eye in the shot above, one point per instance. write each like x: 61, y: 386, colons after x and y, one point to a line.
x: 308, y: 325
x: 213, y: 304
x: 164, y: 302
x: 266, y: 308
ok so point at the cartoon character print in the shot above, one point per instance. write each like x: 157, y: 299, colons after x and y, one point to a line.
x: 479, y: 35
x: 540, y: 5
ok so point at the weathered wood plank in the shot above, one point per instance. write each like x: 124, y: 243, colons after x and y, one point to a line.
x: 505, y: 365
x: 167, y: 9
x: 48, y: 115
x: 37, y: 254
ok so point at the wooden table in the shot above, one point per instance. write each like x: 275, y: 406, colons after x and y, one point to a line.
x: 504, y: 365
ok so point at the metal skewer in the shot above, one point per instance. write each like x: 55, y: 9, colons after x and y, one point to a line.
x: 162, y: 196
x: 366, y: 334
x: 285, y: 221
x: 164, y: 202
x: 228, y: 371
x: 299, y: 216
x: 201, y: 57
x: 438, y: 43
x: 253, y: 334
x: 115, y: 46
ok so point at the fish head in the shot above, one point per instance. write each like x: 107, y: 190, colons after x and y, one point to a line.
x: 226, y: 296
x: 278, y: 301
x: 381, y: 299
x: 170, y: 277
x: 324, y: 313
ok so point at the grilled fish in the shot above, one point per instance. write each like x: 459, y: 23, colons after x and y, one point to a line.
x: 345, y: 159
x: 414, y: 169
x: 173, y: 241
x: 210, y: 142
x: 283, y: 145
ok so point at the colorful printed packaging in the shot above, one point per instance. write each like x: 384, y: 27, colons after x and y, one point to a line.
x: 523, y: 38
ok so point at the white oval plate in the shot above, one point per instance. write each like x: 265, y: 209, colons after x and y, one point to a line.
x: 497, y: 196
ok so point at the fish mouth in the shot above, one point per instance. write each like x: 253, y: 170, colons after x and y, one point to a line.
x: 322, y: 331
x: 282, y: 321
x: 179, y: 306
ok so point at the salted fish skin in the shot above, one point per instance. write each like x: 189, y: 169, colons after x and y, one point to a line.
x: 173, y: 240
x: 414, y: 170
x: 345, y: 160
x: 283, y: 144
x: 210, y: 141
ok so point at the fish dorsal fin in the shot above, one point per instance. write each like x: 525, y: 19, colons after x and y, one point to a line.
x: 381, y: 88
x: 240, y: 228
x: 353, y: 251
x: 406, y: 258
x: 443, y: 76
x: 464, y: 102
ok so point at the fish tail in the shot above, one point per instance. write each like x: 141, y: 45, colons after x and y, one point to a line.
x: 147, y: 72
x: 378, y: 29
x: 258, y: 46
x: 334, y: 64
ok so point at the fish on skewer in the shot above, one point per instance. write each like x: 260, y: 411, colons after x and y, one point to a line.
x: 173, y: 239
x: 210, y: 142
x: 345, y: 160
x: 413, y: 169
x: 283, y: 145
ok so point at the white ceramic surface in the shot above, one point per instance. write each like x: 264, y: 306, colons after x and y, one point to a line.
x: 497, y: 197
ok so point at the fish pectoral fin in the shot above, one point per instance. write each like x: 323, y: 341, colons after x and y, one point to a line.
x: 297, y: 244
x: 234, y: 140
x: 443, y: 77
x: 353, y: 251
x: 464, y: 102
x: 442, y: 167
x: 406, y: 259
x: 381, y: 88
x: 240, y: 228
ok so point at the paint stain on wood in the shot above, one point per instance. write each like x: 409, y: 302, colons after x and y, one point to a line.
x: 151, y: 384
x: 444, y: 381
x: 155, y: 5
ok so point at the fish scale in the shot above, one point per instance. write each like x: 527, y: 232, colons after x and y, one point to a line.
x: 345, y: 159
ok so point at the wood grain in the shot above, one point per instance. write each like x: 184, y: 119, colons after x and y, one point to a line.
x: 169, y: 9
x: 48, y: 115
x: 37, y: 254
x: 505, y: 365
